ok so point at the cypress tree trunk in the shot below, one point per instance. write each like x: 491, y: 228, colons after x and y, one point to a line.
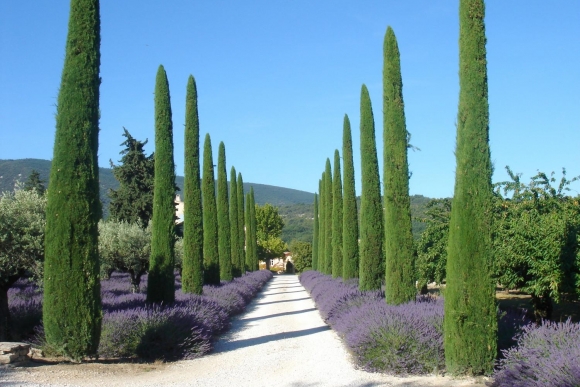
x: 371, y: 213
x: 72, y: 302
x: 350, y: 215
x: 399, y: 250
x: 336, y: 218
x: 315, y: 237
x: 192, y: 273
x: 234, y: 234
x: 210, y: 226
x: 322, y: 231
x: 241, y: 224
x: 470, y: 324
x: 161, y: 281
x: 223, y: 208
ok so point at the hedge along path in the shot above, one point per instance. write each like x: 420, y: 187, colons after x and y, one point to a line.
x: 280, y: 340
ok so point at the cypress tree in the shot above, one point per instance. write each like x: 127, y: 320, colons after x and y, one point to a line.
x: 192, y: 273
x: 241, y: 226
x: 399, y: 250
x: 350, y: 215
x: 161, y: 280
x: 210, y: 226
x: 72, y: 303
x: 234, y: 234
x: 328, y: 219
x: 315, y: 237
x: 322, y: 225
x: 336, y: 218
x: 223, y: 212
x: 254, y: 240
x: 470, y: 325
x: 371, y: 213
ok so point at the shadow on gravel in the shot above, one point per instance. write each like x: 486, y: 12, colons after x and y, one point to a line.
x: 233, y: 345
x: 247, y: 320
x: 277, y: 302
x: 368, y: 384
x: 267, y: 292
x: 284, y: 287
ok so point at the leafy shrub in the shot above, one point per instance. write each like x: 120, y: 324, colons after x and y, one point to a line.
x: 545, y: 355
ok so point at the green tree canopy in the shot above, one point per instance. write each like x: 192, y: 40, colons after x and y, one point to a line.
x: 133, y: 200
x: 35, y: 183
x: 301, y: 255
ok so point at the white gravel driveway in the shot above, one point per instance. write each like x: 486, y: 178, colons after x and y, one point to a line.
x: 279, y: 341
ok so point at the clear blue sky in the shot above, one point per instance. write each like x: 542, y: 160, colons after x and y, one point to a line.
x: 275, y: 78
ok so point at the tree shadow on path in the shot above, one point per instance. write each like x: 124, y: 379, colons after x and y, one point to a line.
x: 233, y: 345
x: 247, y: 320
x: 277, y: 302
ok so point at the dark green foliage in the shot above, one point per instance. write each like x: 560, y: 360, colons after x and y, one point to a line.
x: 35, y: 183
x: 223, y: 212
x: 301, y: 255
x: 350, y: 259
x: 337, y: 218
x: 210, y: 222
x: 133, y: 201
x: 241, y: 224
x: 269, y: 225
x: 251, y: 236
x: 315, y: 237
x: 322, y: 224
x: 327, y: 267
x: 371, y: 264
x: 192, y: 273
x: 234, y: 234
x: 399, y: 250
x: 470, y: 308
x: 432, y: 246
x: 160, y: 288
x: 72, y: 304
x: 536, y: 240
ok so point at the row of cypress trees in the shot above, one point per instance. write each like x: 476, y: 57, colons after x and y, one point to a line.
x: 216, y: 246
x: 385, y: 249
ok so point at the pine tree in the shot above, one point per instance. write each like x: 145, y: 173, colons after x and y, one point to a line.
x: 315, y: 237
x: 210, y: 222
x: 192, y: 273
x: 371, y: 213
x: 72, y: 302
x: 161, y: 287
x: 241, y: 226
x: 234, y: 234
x: 328, y: 219
x: 322, y: 224
x: 35, y: 183
x: 470, y: 326
x: 350, y: 259
x: 223, y: 212
x: 399, y: 250
x: 336, y: 218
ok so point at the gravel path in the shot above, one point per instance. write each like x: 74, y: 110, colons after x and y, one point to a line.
x: 279, y: 341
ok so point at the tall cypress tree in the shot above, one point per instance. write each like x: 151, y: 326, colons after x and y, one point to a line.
x: 161, y: 279
x: 210, y: 223
x: 371, y: 212
x: 336, y: 218
x: 399, y: 251
x: 241, y: 226
x: 315, y: 236
x: 223, y: 208
x: 234, y: 234
x: 251, y: 236
x: 328, y: 219
x: 322, y: 224
x: 350, y: 215
x: 192, y: 273
x: 470, y: 325
x: 72, y: 302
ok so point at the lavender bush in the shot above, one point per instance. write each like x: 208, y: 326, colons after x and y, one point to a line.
x: 545, y: 355
x: 183, y: 330
x: 403, y: 339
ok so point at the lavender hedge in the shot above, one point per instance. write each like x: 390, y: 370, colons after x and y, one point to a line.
x: 401, y: 340
x: 545, y: 355
x: 183, y: 330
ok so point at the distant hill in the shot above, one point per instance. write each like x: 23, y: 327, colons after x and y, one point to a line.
x: 13, y: 170
x: 296, y: 207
